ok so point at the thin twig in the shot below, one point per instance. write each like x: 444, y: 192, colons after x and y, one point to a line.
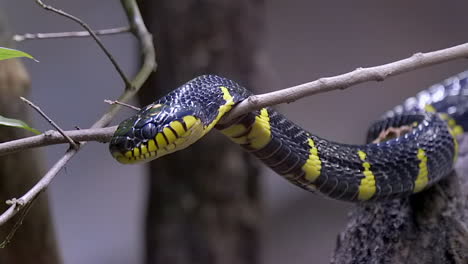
x: 71, y: 34
x: 18, y: 222
x: 93, y: 35
x: 112, y: 102
x: 73, y: 144
x: 149, y: 64
x: 360, y: 75
x: 139, y: 29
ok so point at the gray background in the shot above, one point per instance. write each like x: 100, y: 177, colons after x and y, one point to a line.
x: 98, y: 205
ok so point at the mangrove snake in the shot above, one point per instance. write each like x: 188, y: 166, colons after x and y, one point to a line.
x: 409, y: 163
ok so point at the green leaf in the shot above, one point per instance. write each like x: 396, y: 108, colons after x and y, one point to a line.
x: 17, y: 123
x: 6, y: 53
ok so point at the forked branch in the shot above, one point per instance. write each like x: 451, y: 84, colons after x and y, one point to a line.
x: 149, y: 65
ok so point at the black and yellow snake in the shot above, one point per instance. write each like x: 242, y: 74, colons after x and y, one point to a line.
x: 423, y: 154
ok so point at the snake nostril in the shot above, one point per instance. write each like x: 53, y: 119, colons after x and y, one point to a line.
x: 121, y: 144
x: 127, y: 144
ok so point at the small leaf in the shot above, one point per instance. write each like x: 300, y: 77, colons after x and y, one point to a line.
x: 17, y: 123
x: 6, y: 53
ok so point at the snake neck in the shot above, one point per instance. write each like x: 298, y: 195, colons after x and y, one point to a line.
x: 394, y: 168
x: 347, y: 172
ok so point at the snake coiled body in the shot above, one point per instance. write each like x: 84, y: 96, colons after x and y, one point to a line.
x: 396, y: 167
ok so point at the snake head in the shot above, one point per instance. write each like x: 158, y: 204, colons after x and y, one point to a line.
x: 155, y: 131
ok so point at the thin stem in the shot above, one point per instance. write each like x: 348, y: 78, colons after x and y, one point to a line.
x: 93, y: 35
x: 112, y: 102
x: 71, y: 34
x: 73, y: 144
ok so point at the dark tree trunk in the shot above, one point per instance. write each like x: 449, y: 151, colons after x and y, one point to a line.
x: 204, y: 204
x: 34, y: 241
x: 430, y: 227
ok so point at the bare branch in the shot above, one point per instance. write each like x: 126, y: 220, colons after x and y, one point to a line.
x: 71, y: 34
x: 73, y: 144
x: 53, y: 137
x: 149, y: 64
x: 93, y: 35
x: 28, y: 197
x: 360, y: 75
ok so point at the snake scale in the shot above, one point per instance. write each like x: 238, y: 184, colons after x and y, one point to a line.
x: 411, y: 161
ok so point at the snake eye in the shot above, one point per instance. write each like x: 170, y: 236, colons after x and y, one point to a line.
x: 148, y: 131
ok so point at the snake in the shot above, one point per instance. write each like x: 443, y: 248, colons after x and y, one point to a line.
x: 409, y: 149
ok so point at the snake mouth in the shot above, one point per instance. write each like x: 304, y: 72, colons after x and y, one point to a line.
x: 140, y: 140
x: 173, y: 137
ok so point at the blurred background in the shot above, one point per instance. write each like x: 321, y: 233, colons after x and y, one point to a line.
x: 98, y: 205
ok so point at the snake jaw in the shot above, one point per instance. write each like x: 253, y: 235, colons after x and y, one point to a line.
x: 180, y: 140
x: 157, y: 137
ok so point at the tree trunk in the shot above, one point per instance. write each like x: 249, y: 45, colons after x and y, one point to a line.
x: 430, y: 227
x: 34, y: 241
x: 204, y: 204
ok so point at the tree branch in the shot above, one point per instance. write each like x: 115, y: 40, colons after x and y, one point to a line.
x: 149, y: 65
x: 17, y: 204
x: 360, y: 75
x: 53, y: 137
